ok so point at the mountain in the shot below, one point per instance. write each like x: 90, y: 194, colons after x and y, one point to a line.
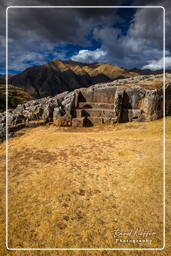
x: 58, y: 76
x: 16, y: 96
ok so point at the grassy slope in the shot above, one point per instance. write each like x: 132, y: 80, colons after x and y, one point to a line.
x: 16, y: 96
x: 79, y: 185
x: 92, y: 70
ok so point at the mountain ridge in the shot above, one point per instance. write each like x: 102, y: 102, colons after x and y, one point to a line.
x: 58, y: 76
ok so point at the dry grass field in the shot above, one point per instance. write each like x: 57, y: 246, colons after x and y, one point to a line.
x: 71, y: 187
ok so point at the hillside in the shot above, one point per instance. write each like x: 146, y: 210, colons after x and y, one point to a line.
x: 16, y: 96
x: 58, y: 76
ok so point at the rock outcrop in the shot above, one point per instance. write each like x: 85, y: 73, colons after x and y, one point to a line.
x: 107, y: 103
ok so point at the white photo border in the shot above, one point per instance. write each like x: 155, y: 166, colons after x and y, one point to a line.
x: 164, y: 137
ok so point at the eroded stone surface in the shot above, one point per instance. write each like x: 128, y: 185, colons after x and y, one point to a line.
x: 101, y: 103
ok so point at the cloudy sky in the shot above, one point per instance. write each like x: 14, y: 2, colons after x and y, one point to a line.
x: 126, y: 37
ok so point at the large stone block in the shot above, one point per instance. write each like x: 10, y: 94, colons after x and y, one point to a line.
x: 101, y: 95
x: 134, y: 115
x: 57, y: 113
x: 108, y: 113
x: 118, y: 101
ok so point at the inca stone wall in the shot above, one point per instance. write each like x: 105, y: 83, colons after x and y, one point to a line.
x: 111, y: 104
x: 107, y: 103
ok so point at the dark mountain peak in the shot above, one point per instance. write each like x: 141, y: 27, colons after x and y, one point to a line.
x: 58, y: 76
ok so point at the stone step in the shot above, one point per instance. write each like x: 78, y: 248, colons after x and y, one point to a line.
x: 95, y: 105
x: 90, y: 121
x: 95, y: 112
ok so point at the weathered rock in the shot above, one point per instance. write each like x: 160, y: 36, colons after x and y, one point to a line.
x: 68, y: 103
x: 135, y: 115
x: 63, y: 121
x: 57, y: 113
x: 99, y: 94
x: 79, y: 122
x: 118, y: 99
x: 101, y: 103
x: 152, y: 105
x: 47, y: 115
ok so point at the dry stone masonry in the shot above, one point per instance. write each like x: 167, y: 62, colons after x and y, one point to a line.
x: 107, y: 103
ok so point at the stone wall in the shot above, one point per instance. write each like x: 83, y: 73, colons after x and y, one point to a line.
x: 101, y: 103
x: 132, y: 103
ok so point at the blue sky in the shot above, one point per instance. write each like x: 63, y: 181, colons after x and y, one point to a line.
x: 126, y: 37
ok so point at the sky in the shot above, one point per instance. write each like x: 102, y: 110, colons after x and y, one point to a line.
x: 127, y: 37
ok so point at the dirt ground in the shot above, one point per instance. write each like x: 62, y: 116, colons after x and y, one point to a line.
x: 73, y: 188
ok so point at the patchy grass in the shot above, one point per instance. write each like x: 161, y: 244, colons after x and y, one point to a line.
x: 150, y: 83
x: 73, y: 187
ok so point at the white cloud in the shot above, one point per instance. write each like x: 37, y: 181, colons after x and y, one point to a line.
x: 158, y: 64
x: 143, y: 40
x: 87, y: 56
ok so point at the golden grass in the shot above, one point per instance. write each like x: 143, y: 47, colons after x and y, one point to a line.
x: 16, y: 96
x: 92, y: 70
x: 149, y: 83
x: 72, y: 187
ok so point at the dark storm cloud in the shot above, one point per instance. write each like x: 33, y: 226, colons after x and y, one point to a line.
x: 142, y: 43
x: 32, y: 30
x: 33, y: 33
x: 55, y: 24
x: 29, y: 28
